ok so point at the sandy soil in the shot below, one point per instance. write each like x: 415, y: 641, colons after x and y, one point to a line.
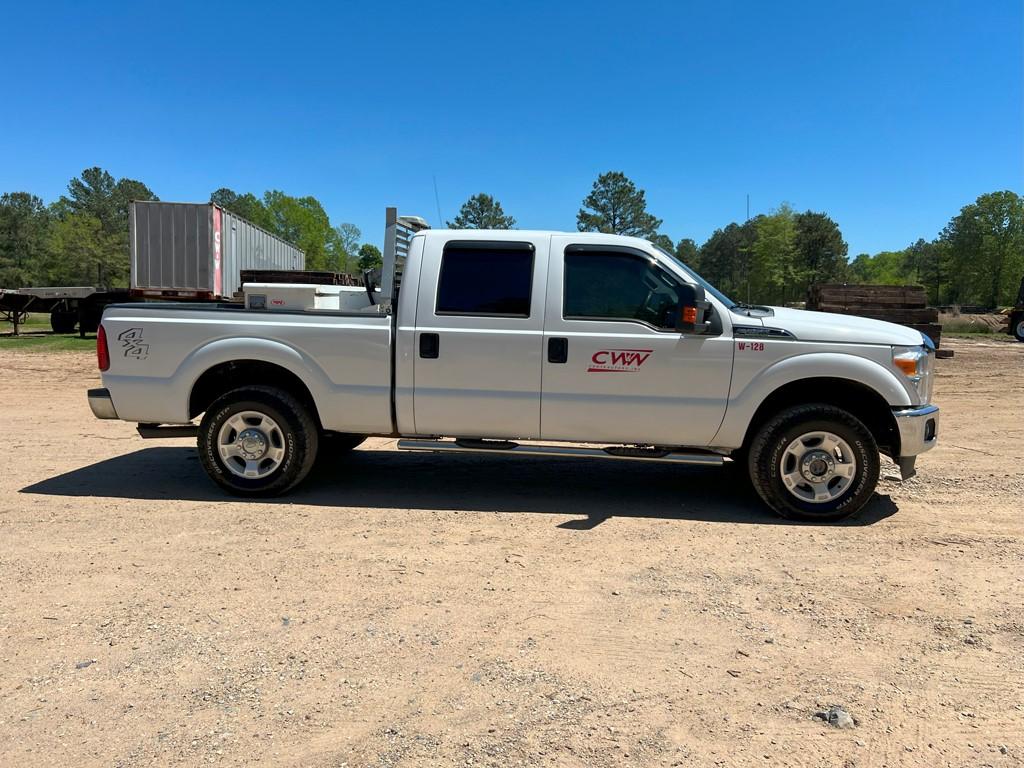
x: 406, y: 610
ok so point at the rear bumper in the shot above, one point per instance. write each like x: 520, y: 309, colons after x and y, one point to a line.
x: 919, y: 431
x: 101, y: 404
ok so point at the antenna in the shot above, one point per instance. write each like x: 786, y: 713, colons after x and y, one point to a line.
x: 437, y: 201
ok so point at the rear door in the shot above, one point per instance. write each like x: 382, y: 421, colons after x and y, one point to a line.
x: 615, y: 371
x: 479, y: 337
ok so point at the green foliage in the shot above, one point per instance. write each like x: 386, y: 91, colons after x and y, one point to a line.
x: 301, y: 221
x: 24, y: 221
x: 82, y: 238
x: 370, y: 257
x: 773, y: 271
x: 96, y: 194
x: 986, y: 249
x: 80, y: 252
x: 663, y: 241
x: 923, y: 263
x: 247, y: 205
x: 616, y: 206
x: 977, y: 259
x: 725, y: 259
x: 345, y: 247
x: 304, y: 222
x: 820, y: 251
x: 482, y: 211
x: 772, y: 258
x: 687, y: 252
x: 929, y: 264
x: 885, y: 268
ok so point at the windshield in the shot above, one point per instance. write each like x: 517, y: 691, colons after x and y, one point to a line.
x: 729, y: 303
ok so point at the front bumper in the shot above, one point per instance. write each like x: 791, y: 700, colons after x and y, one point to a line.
x: 919, y: 431
x: 101, y: 404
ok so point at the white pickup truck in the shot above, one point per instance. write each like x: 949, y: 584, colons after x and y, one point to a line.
x: 518, y: 342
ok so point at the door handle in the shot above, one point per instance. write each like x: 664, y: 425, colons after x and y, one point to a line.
x: 558, y: 350
x: 430, y: 346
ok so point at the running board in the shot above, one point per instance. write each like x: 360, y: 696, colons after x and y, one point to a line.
x: 149, y: 431
x: 506, y: 447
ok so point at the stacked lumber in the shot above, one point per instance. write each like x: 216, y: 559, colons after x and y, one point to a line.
x: 903, y: 304
x: 304, y: 276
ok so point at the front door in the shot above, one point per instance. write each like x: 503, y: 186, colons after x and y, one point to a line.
x: 615, y: 370
x: 479, y: 329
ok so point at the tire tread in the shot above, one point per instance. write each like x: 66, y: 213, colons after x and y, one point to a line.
x: 306, y: 432
x: 760, y: 461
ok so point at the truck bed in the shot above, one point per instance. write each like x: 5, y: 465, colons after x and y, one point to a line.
x: 159, y: 351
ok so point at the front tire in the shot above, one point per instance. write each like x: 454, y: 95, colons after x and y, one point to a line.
x: 257, y: 441
x: 814, y: 462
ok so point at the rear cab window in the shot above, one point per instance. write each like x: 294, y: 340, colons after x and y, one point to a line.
x: 493, y: 279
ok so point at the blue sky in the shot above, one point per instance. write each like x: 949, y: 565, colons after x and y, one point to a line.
x: 889, y: 116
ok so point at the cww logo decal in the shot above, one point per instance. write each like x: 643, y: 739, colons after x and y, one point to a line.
x: 618, y: 360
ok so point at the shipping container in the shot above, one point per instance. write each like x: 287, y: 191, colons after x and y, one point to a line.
x: 199, y: 250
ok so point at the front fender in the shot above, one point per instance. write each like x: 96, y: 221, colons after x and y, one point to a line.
x: 744, y: 403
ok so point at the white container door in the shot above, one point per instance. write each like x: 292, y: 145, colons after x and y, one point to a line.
x: 613, y: 371
x: 479, y: 337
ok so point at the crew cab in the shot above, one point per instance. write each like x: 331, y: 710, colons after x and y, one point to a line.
x: 517, y: 342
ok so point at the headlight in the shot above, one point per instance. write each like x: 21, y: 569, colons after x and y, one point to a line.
x: 916, y: 364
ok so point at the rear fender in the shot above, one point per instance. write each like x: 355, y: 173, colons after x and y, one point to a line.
x: 265, y: 350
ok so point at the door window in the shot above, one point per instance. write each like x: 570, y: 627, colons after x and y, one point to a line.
x: 479, y: 278
x: 614, y: 285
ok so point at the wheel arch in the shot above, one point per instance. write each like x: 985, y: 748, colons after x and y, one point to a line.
x: 232, y: 374
x: 854, y: 397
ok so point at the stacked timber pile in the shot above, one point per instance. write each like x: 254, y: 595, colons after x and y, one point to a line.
x: 903, y: 304
x: 304, y: 276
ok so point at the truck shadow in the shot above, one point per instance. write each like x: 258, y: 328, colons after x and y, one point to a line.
x: 382, y: 479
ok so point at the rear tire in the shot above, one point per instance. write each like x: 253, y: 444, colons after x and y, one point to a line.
x: 63, y: 322
x: 814, y: 462
x: 257, y: 441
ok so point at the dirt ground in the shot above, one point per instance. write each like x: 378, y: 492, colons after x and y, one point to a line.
x: 411, y: 610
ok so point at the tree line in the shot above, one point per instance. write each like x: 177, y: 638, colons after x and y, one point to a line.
x: 82, y: 237
x: 978, y: 258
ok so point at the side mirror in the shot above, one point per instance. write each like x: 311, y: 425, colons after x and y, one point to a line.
x: 693, y: 308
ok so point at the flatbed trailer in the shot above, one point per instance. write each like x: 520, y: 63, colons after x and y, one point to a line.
x: 68, y: 306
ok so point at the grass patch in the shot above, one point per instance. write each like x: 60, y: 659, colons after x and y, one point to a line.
x: 969, y: 332
x: 36, y: 321
x: 47, y: 342
x: 988, y: 336
x: 34, y: 335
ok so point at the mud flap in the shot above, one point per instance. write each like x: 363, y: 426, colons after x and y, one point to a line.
x: 906, y: 465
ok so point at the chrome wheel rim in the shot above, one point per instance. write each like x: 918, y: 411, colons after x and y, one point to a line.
x: 251, y: 445
x: 818, y: 467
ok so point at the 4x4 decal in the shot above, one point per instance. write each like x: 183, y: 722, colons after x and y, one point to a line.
x: 133, y: 343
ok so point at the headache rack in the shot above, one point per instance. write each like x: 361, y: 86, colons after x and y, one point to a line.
x: 398, y: 234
